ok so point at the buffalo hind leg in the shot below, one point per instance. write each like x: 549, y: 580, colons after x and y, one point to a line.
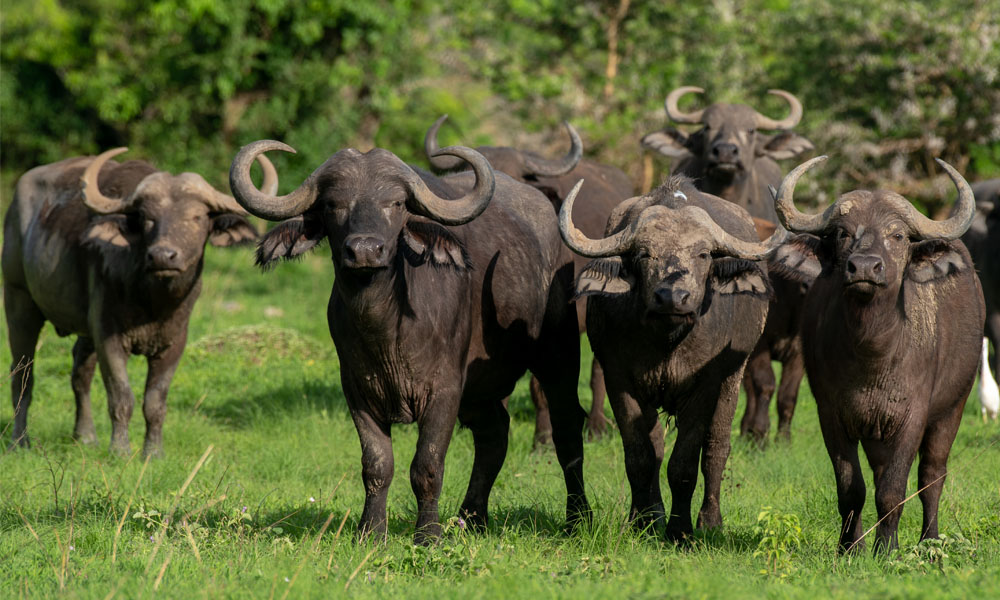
x: 934, y: 451
x: 24, y: 323
x: 597, y: 423
x: 490, y: 428
x: 376, y: 470
x: 788, y: 394
x: 642, y: 442
x: 759, y: 384
x: 154, y: 400
x: 84, y: 363
x: 715, y: 452
x: 543, y: 421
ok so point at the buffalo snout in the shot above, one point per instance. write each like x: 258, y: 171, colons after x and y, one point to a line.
x: 865, y: 268
x: 163, y: 258
x: 364, y: 252
x: 669, y: 300
x: 725, y: 153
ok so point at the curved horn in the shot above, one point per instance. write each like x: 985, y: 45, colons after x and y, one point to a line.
x: 784, y: 205
x: 675, y: 113
x: 441, y: 163
x: 584, y: 246
x: 224, y: 203
x: 261, y: 204
x: 269, y: 185
x: 555, y: 168
x: 793, y: 118
x: 923, y: 228
x: 731, y: 245
x: 466, y: 208
x: 92, y: 196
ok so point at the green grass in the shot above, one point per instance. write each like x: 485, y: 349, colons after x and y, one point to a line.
x: 259, y: 385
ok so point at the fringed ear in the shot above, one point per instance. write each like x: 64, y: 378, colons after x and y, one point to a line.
x: 786, y: 144
x: 934, y: 259
x: 426, y: 241
x: 289, y: 239
x: 739, y: 276
x: 107, y: 233
x: 669, y: 142
x: 231, y: 230
x: 605, y: 276
x: 801, y: 258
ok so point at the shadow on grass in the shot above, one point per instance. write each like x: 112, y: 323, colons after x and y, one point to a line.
x: 305, y: 398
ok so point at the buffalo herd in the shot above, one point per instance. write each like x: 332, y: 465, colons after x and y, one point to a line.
x: 449, y: 287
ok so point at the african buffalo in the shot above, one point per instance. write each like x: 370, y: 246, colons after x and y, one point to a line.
x: 891, y: 334
x: 606, y: 187
x: 728, y: 156
x: 446, y: 291
x: 121, y: 271
x: 782, y: 341
x: 678, y: 296
x: 983, y: 241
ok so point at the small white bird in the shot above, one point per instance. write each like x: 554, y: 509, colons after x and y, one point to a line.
x: 989, y: 393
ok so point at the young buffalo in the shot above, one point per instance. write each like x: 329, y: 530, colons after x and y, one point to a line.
x: 891, y: 334
x: 121, y: 272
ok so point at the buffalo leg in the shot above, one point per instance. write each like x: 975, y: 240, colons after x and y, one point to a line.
x: 934, y: 451
x: 24, y: 323
x: 154, y: 400
x: 850, y: 481
x: 597, y: 423
x: 682, y: 472
x: 642, y: 442
x: 376, y: 470
x: 84, y: 363
x: 788, y: 393
x: 993, y: 333
x: 489, y: 434
x: 113, y: 361
x: 543, y: 421
x: 890, y: 461
x: 427, y: 468
x: 759, y: 384
x: 716, y: 452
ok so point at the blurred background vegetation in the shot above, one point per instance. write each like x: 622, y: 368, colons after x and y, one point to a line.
x: 887, y: 87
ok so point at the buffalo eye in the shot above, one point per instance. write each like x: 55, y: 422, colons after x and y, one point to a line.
x: 751, y: 130
x: 897, y: 236
x: 642, y: 254
x: 148, y: 225
x: 844, y: 235
x: 704, y: 255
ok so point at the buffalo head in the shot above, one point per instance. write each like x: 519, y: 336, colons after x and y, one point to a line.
x: 670, y: 257
x: 872, y: 240
x: 365, y: 205
x: 730, y: 139
x: 163, y: 224
x: 526, y: 167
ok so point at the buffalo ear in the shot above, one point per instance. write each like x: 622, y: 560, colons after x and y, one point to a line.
x: 802, y: 258
x: 107, y: 233
x: 605, y: 276
x: 739, y: 276
x: 786, y: 144
x: 669, y: 142
x: 934, y: 259
x: 289, y: 239
x: 425, y: 241
x: 230, y: 230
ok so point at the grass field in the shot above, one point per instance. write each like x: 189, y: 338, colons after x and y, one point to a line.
x: 260, y: 491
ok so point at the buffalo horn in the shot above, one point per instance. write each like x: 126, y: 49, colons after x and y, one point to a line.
x: 675, y: 113
x: 92, y: 196
x: 555, y: 168
x: 262, y: 204
x: 466, y: 208
x: 729, y: 244
x: 793, y: 118
x: 584, y: 246
x: 923, y: 228
x: 439, y: 162
x: 784, y: 204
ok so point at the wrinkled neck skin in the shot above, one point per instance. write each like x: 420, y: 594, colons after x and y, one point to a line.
x: 372, y: 299
x: 871, y: 329
x: 159, y: 297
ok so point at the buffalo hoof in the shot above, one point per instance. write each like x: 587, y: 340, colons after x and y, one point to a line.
x: 87, y: 437
x: 597, y: 426
x: 473, y: 519
x: 578, y: 513
x: 121, y: 449
x: 427, y: 535
x: 19, y: 441
x: 152, y: 451
x: 543, y: 439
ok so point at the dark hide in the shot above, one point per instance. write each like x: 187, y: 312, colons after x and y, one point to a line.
x: 983, y: 242
x: 688, y: 366
x: 125, y: 283
x: 890, y: 364
x: 606, y: 187
x: 440, y: 323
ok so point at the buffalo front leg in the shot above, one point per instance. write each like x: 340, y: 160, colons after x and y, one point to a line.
x: 427, y: 468
x: 716, y: 451
x: 934, y: 451
x: 788, y: 393
x: 850, y: 481
x: 489, y: 433
x: 24, y: 323
x: 154, y: 401
x: 84, y: 363
x: 890, y: 461
x: 376, y: 471
x: 113, y: 359
x: 642, y: 442
x: 597, y: 423
x: 682, y: 474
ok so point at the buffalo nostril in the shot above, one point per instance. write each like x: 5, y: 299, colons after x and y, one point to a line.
x: 681, y: 298
x: 878, y: 267
x: 851, y: 267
